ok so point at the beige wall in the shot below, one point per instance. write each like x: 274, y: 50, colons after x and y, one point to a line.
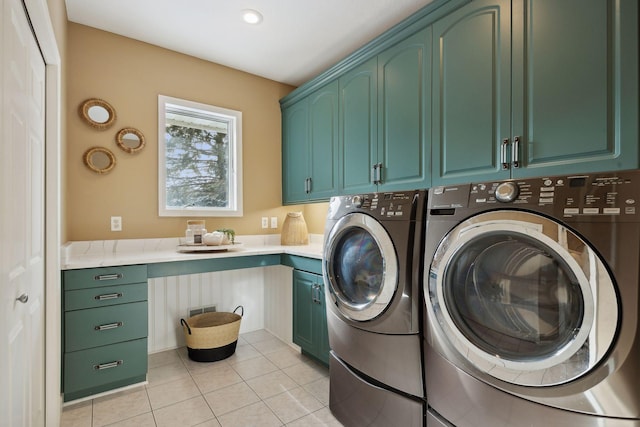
x: 129, y: 75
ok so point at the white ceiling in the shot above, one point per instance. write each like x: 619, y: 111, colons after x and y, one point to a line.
x: 296, y: 40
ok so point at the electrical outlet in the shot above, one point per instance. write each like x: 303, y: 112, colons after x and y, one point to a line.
x: 274, y: 222
x: 116, y: 223
x: 265, y: 222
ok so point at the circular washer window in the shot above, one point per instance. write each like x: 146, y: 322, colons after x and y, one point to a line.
x: 361, y: 267
x: 519, y: 295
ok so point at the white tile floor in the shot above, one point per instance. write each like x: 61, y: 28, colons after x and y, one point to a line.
x: 265, y: 383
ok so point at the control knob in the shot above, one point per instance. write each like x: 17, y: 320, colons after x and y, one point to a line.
x: 507, y: 192
x: 357, y: 201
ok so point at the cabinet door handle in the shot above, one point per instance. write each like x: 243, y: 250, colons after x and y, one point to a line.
x: 503, y: 153
x: 108, y: 296
x: 515, y: 152
x: 310, y: 185
x: 379, y: 177
x: 114, y: 276
x: 374, y: 173
x: 109, y: 365
x: 108, y: 326
x: 315, y: 294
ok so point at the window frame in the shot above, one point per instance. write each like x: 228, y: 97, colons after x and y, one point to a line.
x: 234, y: 118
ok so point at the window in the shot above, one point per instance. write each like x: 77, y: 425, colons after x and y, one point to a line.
x: 199, y: 159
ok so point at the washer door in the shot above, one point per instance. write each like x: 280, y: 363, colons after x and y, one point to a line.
x: 523, y: 298
x: 360, y: 267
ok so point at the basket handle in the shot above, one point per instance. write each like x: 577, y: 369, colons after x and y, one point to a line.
x: 184, y: 323
x: 240, y: 307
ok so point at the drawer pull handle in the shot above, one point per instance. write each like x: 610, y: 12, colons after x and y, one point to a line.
x: 108, y: 326
x: 114, y: 276
x: 108, y: 296
x: 109, y: 365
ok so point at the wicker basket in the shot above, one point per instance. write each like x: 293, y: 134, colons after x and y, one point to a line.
x: 294, y: 230
x: 212, y: 336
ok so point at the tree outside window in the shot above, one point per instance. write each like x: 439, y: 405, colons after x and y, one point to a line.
x: 199, y: 159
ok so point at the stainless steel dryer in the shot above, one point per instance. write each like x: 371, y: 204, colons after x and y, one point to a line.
x: 372, y: 268
x: 531, y: 292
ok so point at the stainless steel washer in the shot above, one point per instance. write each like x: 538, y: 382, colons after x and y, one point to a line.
x: 531, y: 294
x: 372, y: 268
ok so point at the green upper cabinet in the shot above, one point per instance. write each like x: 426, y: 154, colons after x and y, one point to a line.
x: 471, y: 91
x: 384, y: 119
x: 358, y: 142
x: 310, y: 135
x: 295, y: 152
x: 531, y: 88
x: 404, y: 114
x: 575, y: 72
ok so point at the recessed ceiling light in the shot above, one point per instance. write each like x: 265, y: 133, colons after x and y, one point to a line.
x: 251, y: 16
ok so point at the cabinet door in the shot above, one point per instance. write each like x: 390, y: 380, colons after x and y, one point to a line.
x: 309, y: 315
x: 320, y: 321
x: 575, y: 80
x: 358, y: 128
x: 471, y: 92
x: 323, y: 137
x: 303, y: 290
x: 295, y: 152
x: 404, y: 114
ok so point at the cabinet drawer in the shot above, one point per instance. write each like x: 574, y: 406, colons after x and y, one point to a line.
x: 96, y: 367
x: 105, y: 325
x: 104, y: 296
x: 104, y: 276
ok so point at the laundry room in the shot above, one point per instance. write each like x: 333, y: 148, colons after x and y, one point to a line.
x: 418, y: 213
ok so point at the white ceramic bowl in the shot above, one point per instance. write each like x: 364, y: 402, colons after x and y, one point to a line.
x: 213, y: 239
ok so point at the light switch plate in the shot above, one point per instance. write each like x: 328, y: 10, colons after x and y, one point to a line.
x: 265, y: 222
x: 274, y: 222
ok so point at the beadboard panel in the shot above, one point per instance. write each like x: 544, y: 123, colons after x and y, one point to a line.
x: 278, y: 302
x: 266, y: 294
x: 170, y: 299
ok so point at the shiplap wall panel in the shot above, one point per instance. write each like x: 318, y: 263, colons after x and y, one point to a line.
x: 278, y: 302
x: 170, y: 299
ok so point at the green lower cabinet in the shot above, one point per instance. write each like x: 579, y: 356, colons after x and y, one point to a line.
x: 105, y: 326
x: 92, y: 371
x: 309, y: 315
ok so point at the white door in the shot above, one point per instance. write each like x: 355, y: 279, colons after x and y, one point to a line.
x: 22, y: 222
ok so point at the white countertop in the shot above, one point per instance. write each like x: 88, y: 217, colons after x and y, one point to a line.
x: 105, y: 253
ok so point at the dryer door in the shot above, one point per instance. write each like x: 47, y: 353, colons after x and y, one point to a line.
x: 360, y: 267
x: 522, y: 298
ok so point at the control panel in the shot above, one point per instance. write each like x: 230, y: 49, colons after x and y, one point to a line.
x: 390, y: 205
x: 588, y: 196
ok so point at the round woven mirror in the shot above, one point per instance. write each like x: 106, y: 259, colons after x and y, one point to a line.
x: 97, y: 113
x: 130, y: 140
x: 99, y: 159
